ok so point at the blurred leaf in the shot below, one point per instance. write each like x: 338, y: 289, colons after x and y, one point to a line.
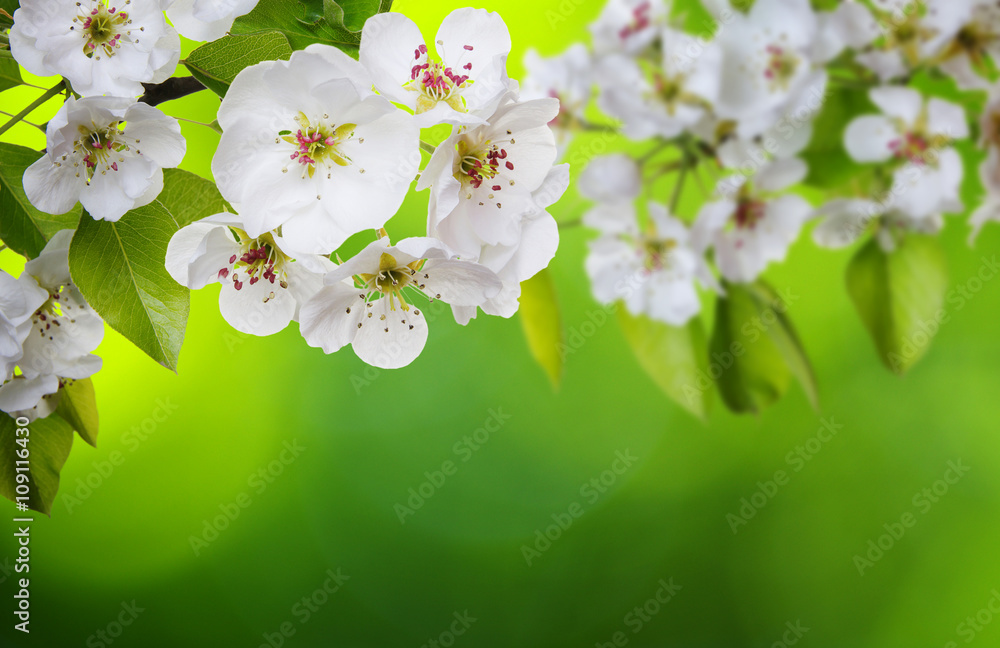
x: 216, y: 64
x: 22, y: 227
x: 48, y: 444
x: 10, y: 6
x: 312, y: 21
x: 119, y: 268
x: 674, y: 357
x: 747, y: 363
x: 829, y: 164
x: 189, y: 197
x: 542, y: 323
x: 900, y: 297
x: 78, y: 407
x: 10, y: 73
x: 786, y: 339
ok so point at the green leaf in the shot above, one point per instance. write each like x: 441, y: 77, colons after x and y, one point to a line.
x: 189, y: 197
x: 119, y: 268
x: 49, y: 441
x: 312, y: 21
x: 216, y: 64
x: 674, y: 357
x: 542, y: 324
x: 755, y: 349
x: 900, y: 297
x: 786, y: 339
x: 829, y: 164
x: 752, y: 373
x: 10, y: 6
x: 22, y: 227
x: 10, y: 73
x: 78, y: 407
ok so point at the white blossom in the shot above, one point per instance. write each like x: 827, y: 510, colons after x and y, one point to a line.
x: 107, y: 153
x: 308, y: 146
x: 100, y: 47
x: 368, y: 301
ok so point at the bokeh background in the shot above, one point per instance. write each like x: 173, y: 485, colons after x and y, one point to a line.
x: 192, y: 445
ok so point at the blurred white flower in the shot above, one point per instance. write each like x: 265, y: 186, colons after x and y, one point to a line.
x: 653, y: 272
x: 567, y: 77
x: 628, y: 26
x: 483, y: 179
x: 753, y: 225
x: 912, y: 32
x: 611, y: 179
x: 263, y: 285
x: 918, y: 134
x: 309, y: 147
x: 462, y: 84
x: 662, y: 100
x: 367, y: 301
x: 207, y: 20
x: 975, y: 46
x: 99, y: 47
x: 63, y: 332
x: 106, y: 152
x: 767, y: 63
x: 19, y: 299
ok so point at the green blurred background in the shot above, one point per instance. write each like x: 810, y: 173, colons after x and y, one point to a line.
x: 367, y: 437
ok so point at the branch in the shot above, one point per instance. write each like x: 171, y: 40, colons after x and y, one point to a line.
x: 174, y: 88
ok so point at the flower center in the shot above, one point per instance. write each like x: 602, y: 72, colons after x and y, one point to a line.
x: 100, y: 149
x: 656, y: 253
x: 318, y: 144
x: 974, y: 40
x: 641, y: 19
x: 391, y: 279
x: 781, y: 66
x: 258, y: 259
x: 749, y: 212
x: 437, y: 82
x: 102, y: 28
x: 483, y: 164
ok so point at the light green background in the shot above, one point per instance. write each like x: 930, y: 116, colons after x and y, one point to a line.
x: 238, y: 400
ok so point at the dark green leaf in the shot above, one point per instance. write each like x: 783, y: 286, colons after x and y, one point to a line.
x: 10, y: 73
x: 189, y: 197
x: 674, y: 357
x: 786, y: 339
x: 312, y: 21
x: 49, y: 442
x: 216, y: 64
x: 78, y: 407
x: 900, y: 297
x: 542, y: 324
x: 119, y: 268
x: 747, y: 363
x: 22, y: 227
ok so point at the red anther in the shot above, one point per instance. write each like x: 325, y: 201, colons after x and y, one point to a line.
x: 510, y: 165
x: 232, y: 259
x: 467, y: 66
x: 496, y: 187
x: 468, y: 47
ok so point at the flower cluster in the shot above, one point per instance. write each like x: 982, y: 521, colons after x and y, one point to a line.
x: 47, y: 333
x: 741, y: 100
x: 315, y: 150
x: 322, y: 147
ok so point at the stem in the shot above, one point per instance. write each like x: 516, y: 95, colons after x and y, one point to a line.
x: 430, y: 148
x: 51, y: 92
x: 576, y: 222
x: 599, y: 128
x: 41, y: 128
x: 173, y: 88
x: 679, y: 187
